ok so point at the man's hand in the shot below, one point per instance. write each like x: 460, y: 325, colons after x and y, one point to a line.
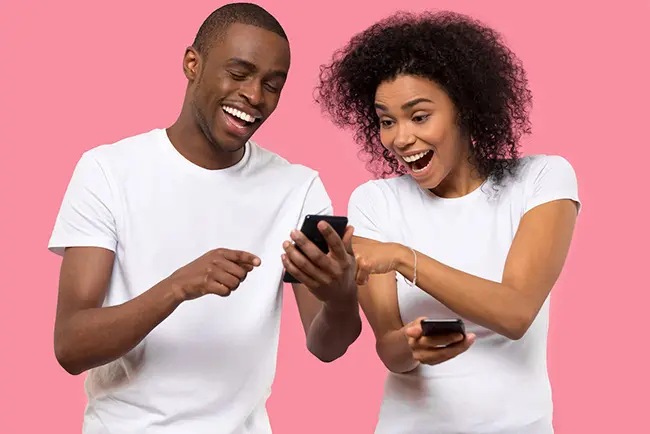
x: 219, y: 272
x: 432, y: 350
x: 330, y: 277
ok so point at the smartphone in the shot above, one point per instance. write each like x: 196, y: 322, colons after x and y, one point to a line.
x: 437, y: 327
x: 310, y: 229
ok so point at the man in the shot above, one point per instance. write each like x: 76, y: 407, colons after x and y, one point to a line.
x: 174, y: 243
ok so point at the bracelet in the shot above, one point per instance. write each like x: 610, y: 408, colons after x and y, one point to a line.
x: 415, y: 267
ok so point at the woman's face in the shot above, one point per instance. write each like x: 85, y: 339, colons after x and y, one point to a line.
x: 418, y: 125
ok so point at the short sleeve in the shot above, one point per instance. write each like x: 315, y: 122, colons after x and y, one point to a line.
x: 551, y: 178
x: 317, y: 201
x: 86, y: 217
x: 365, y: 212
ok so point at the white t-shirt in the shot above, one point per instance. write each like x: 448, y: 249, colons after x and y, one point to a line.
x: 498, y: 386
x: 207, y: 368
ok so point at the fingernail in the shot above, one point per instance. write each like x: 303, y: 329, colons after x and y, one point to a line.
x: 286, y: 244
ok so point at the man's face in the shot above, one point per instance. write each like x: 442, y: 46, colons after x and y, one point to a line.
x: 238, y: 85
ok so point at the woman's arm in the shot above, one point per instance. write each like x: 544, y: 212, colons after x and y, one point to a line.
x: 378, y: 299
x: 402, y: 347
x: 533, y: 265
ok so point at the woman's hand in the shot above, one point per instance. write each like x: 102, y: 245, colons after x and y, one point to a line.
x: 374, y: 257
x: 432, y: 350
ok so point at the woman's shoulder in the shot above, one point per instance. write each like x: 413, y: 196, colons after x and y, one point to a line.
x: 386, y: 189
x: 533, y: 165
x: 388, y: 184
x: 540, y: 178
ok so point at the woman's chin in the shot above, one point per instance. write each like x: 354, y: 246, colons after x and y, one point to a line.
x: 429, y: 182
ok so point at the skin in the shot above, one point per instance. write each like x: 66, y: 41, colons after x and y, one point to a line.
x: 88, y: 335
x: 247, y: 69
x: 417, y: 115
x: 327, y: 297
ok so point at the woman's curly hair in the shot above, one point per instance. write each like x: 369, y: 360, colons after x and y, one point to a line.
x: 483, y: 78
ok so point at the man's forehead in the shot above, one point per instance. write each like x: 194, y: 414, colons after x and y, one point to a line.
x: 252, y: 44
x: 238, y: 34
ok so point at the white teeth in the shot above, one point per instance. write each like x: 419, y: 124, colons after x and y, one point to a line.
x: 416, y: 157
x: 238, y: 113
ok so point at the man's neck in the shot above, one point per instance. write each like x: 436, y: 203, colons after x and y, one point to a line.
x: 191, y: 143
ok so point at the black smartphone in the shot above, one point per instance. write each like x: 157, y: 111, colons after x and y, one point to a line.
x: 310, y: 229
x: 438, y: 327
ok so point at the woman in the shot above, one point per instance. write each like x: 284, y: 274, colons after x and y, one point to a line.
x: 467, y: 229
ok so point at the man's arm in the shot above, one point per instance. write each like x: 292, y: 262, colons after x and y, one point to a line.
x: 87, y: 335
x: 330, y: 328
x: 327, y: 294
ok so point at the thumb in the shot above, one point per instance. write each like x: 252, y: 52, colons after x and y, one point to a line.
x: 414, y: 328
x: 363, y: 273
x: 362, y: 277
x: 347, y: 239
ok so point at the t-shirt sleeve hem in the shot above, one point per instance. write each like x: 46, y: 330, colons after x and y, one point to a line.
x: 58, y: 246
x: 550, y: 198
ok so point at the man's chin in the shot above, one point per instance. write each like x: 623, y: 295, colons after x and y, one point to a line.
x: 227, y: 142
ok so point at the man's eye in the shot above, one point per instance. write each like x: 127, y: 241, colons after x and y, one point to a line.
x: 237, y: 75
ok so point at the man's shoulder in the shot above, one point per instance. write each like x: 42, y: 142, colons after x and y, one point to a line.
x: 270, y: 162
x: 131, y: 148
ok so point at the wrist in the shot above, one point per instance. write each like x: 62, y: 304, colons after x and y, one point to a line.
x: 404, y: 261
x: 172, y: 291
x: 343, y: 305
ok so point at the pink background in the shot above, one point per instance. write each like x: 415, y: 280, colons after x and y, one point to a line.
x: 78, y: 74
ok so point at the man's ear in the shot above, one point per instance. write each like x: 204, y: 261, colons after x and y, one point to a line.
x: 192, y: 63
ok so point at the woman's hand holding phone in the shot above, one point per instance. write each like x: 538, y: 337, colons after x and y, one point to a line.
x: 433, y: 350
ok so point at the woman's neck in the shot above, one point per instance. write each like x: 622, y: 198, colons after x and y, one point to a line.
x: 460, y: 181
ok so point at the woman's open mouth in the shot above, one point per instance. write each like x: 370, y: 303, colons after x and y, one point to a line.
x: 419, y: 162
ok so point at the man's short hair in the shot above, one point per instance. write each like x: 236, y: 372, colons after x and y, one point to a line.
x: 217, y: 23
